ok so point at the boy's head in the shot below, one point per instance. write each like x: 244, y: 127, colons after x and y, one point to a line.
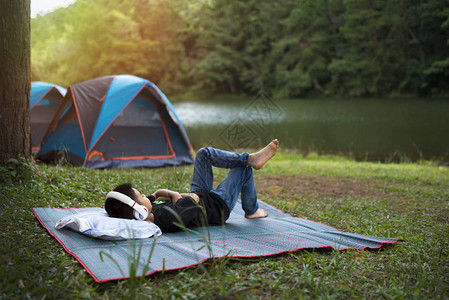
x: 118, y: 209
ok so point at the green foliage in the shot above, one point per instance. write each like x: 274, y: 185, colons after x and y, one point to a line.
x: 18, y: 171
x: 97, y: 38
x: 288, y: 48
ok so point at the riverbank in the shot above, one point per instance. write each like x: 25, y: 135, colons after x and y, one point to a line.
x: 408, y: 201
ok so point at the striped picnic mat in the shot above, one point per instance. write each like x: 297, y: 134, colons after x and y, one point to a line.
x: 240, y: 237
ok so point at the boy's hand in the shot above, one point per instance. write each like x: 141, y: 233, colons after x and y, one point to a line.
x: 167, y: 195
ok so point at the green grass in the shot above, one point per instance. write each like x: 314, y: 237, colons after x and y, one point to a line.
x: 409, y: 201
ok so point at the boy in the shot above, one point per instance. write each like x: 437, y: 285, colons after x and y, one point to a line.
x: 204, y: 205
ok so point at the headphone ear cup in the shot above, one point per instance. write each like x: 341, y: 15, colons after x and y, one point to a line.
x: 138, y: 216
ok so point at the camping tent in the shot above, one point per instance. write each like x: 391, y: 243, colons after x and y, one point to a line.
x: 118, y: 121
x: 44, y: 101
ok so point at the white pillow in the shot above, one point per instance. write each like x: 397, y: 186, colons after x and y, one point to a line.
x: 97, y: 223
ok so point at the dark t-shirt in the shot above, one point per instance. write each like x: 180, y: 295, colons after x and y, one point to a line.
x: 211, y: 210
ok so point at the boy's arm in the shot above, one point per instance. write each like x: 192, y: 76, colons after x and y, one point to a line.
x: 166, y: 195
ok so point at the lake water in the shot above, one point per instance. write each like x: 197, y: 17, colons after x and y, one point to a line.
x: 366, y: 129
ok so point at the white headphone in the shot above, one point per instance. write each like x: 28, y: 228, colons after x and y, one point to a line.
x: 140, y: 211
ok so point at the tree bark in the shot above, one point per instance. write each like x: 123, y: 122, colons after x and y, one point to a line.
x: 15, y: 85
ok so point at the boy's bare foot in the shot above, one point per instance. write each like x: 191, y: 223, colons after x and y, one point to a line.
x: 260, y: 213
x: 258, y: 159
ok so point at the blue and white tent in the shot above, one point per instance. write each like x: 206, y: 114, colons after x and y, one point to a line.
x: 120, y: 121
x: 45, y: 99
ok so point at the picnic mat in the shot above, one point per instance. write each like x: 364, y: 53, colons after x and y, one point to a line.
x: 240, y: 237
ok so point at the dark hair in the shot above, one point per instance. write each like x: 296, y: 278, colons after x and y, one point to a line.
x: 118, y: 209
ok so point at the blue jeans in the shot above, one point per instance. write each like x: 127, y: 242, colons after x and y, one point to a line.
x: 240, y: 179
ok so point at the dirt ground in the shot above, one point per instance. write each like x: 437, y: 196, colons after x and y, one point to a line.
x: 295, y: 187
x: 319, y: 187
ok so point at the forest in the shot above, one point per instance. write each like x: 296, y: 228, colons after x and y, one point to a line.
x: 288, y: 48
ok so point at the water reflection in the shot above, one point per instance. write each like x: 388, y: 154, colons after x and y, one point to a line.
x: 366, y: 129
x: 194, y: 114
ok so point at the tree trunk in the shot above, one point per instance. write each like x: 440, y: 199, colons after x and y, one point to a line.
x: 15, y: 137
